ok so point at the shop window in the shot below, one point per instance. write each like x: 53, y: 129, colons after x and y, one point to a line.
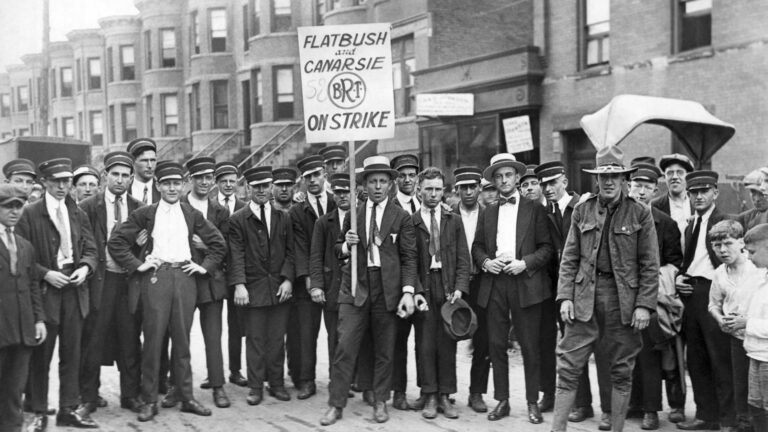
x: 148, y: 48
x: 168, y: 47
x: 94, y: 73
x: 96, y: 120
x: 68, y: 127
x: 218, y: 28
x: 5, y: 105
x: 694, y: 24
x: 194, y: 32
x: 281, y: 16
x: 284, y: 97
x: 220, y: 98
x: 596, y: 42
x: 129, y: 122
x: 22, y: 98
x: 460, y: 143
x: 170, y: 115
x: 403, y: 65
x: 127, y: 63
x: 258, y: 97
x: 66, y: 81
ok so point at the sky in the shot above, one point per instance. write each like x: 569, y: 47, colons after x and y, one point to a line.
x: 21, y: 22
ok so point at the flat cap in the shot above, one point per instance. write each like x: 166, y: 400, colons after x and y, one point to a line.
x: 168, y: 170
x: 56, y: 168
x: 467, y: 175
x: 284, y: 176
x: 201, y: 166
x: 675, y: 158
x: 19, y: 166
x: 701, y: 180
x: 11, y: 193
x: 530, y: 171
x: 258, y: 175
x: 333, y: 153
x: 118, y: 158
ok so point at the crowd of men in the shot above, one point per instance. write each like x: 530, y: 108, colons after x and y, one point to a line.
x: 113, y: 263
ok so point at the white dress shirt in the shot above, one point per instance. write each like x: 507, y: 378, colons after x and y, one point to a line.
x: 701, y: 265
x: 137, y: 189
x: 506, y: 229
x: 405, y: 202
x: 469, y: 220
x: 342, y: 215
x: 52, y: 204
x: 426, y: 216
x: 4, y: 235
x: 680, y: 212
x: 198, y: 204
x: 376, y: 262
x: 563, y: 202
x: 225, y: 204
x: 255, y: 208
x: 109, y: 200
x: 322, y: 197
x: 732, y: 296
x: 170, y: 236
x: 756, y: 333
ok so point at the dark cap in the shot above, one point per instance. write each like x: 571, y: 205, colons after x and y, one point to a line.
x: 168, y: 170
x: 12, y: 193
x: 85, y: 170
x: 644, y: 159
x: 701, y: 180
x: 333, y: 152
x: 530, y: 171
x: 224, y: 168
x: 675, y: 158
x: 487, y: 185
x: 405, y: 161
x: 459, y: 320
x: 258, y: 175
x: 310, y: 164
x: 201, y: 166
x: 549, y: 171
x: 284, y: 176
x: 118, y: 158
x: 140, y: 145
x: 467, y: 175
x: 646, y: 171
x: 56, y: 168
x: 340, y: 182
x: 19, y: 166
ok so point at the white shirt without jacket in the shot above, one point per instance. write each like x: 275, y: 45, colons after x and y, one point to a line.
x: 170, y: 242
x: 756, y: 333
x: 732, y: 296
x: 109, y: 201
x: 426, y: 216
x: 506, y: 229
x: 52, y: 204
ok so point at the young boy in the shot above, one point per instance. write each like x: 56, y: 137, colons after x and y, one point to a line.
x: 733, y: 285
x: 756, y: 329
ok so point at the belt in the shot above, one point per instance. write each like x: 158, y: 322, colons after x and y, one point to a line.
x: 374, y: 269
x: 435, y: 270
x: 173, y: 265
x: 604, y: 274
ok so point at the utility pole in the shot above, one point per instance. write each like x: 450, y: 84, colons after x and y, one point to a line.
x: 46, y: 75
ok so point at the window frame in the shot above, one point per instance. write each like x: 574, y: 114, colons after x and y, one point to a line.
x: 110, y: 65
x: 585, y: 38
x: 5, y: 105
x: 127, y: 70
x: 678, y: 20
x: 164, y: 98
x: 93, y: 84
x: 281, y: 108
x: 257, y: 89
x: 194, y: 32
x: 147, y: 49
x: 218, y: 110
x: 65, y: 122
x: 213, y: 45
x: 169, y: 61
x: 281, y: 22
x: 96, y: 138
x: 19, y: 106
x: 401, y: 59
x: 66, y: 88
x: 127, y: 135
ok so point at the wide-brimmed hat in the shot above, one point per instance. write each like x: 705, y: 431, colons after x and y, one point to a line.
x: 677, y: 158
x: 502, y: 160
x: 549, y: 171
x: 610, y: 160
x: 459, y: 319
x: 377, y: 164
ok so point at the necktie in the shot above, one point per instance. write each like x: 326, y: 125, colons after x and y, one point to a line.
x: 510, y: 200
x: 226, y: 205
x: 558, y: 217
x: 146, y: 193
x: 64, y: 247
x: 320, y: 211
x: 434, y: 236
x: 118, y: 211
x: 690, y: 247
x: 413, y: 206
x: 12, y: 251
x: 374, y: 233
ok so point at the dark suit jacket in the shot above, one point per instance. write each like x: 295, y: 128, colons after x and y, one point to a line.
x: 751, y: 218
x: 213, y: 286
x: 534, y: 246
x: 155, y: 193
x: 21, y: 304
x: 303, y: 218
x: 454, y: 253
x: 662, y: 203
x: 121, y: 243
x: 96, y: 210
x: 260, y: 259
x: 397, y: 253
x: 668, y: 235
x: 36, y: 226
x: 324, y: 265
x: 714, y: 218
x: 560, y: 232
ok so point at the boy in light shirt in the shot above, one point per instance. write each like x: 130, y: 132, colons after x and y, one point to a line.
x: 733, y: 284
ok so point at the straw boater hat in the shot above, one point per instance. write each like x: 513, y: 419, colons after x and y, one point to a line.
x: 503, y: 160
x: 377, y: 164
x: 610, y: 160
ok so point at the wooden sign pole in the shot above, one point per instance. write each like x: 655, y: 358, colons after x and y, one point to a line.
x: 352, y: 217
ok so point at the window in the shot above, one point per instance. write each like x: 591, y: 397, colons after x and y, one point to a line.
x: 112, y: 124
x: 403, y: 65
x: 5, y: 105
x: 694, y: 24
x: 320, y: 9
x: 256, y: 23
x: 218, y: 28
x: 150, y: 115
x: 170, y: 115
x: 258, y: 97
x: 597, y: 29
x: 127, y: 63
x: 220, y: 96
x: 66, y: 81
x: 168, y: 47
x: 195, y: 109
x: 68, y: 127
x: 194, y: 32
x: 22, y: 98
x: 78, y: 72
x: 94, y: 73
x: 246, y: 35
x: 96, y: 120
x: 281, y: 16
x: 148, y: 48
x: 110, y: 70
x: 129, y: 122
x: 284, y: 93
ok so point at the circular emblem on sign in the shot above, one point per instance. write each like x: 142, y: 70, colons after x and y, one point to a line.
x: 346, y: 90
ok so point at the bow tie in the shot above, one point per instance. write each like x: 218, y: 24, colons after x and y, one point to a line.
x: 511, y: 200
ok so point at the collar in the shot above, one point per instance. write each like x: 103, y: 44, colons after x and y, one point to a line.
x: 425, y: 212
x: 612, y: 206
x: 52, y: 201
x: 3, y: 228
x: 164, y: 206
x: 110, y: 197
x: 222, y: 197
x: 564, y: 201
x: 707, y: 214
x: 383, y: 204
x: 148, y: 183
x: 256, y: 210
x: 193, y: 199
x: 403, y: 198
x: 463, y: 209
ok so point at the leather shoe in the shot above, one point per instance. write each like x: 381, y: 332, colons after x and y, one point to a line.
x: 238, y: 379
x: 39, y: 423
x: 101, y: 402
x: 534, y: 414
x: 698, y: 424
x: 579, y: 414
x: 399, y: 402
x: 147, y: 412
x: 220, y: 398
x: 605, y: 422
x: 331, y: 416
x: 430, y: 406
x: 418, y: 404
x: 380, y: 412
x: 170, y: 400
x: 369, y: 397
x: 355, y: 388
x: 206, y: 384
x: 134, y: 404
x: 446, y: 407
x: 307, y: 390
x: 255, y: 396
x: 650, y: 421
x: 279, y: 393
x: 477, y: 403
x: 676, y: 415
x: 547, y: 402
x: 91, y: 406
x: 78, y: 418
x: 194, y: 407
x: 501, y: 411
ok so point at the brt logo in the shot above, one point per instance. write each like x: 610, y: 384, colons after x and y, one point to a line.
x: 347, y: 90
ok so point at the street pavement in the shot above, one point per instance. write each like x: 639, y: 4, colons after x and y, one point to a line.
x: 301, y: 416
